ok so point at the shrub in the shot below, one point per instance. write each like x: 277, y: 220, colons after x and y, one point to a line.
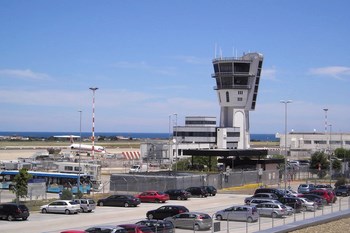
x: 66, y: 195
x: 340, y: 181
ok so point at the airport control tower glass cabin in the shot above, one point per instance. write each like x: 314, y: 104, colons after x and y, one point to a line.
x: 237, y: 85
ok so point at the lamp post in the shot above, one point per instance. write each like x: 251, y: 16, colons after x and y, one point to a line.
x: 169, y: 141
x: 325, y: 119
x: 93, y: 121
x: 80, y: 113
x: 330, y: 155
x: 176, y: 142
x: 285, y: 102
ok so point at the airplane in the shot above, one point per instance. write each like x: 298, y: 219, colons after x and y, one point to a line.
x: 82, y: 147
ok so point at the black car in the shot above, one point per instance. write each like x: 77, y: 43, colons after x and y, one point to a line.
x: 12, y: 211
x: 166, y: 211
x: 261, y: 195
x: 178, y: 194
x: 342, y: 190
x: 277, y: 192
x: 197, y: 191
x: 210, y: 189
x: 161, y: 226
x: 119, y: 200
x: 293, y: 202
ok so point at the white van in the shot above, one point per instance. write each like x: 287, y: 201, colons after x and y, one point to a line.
x: 138, y: 168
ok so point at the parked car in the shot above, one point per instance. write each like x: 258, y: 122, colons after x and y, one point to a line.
x: 275, y: 191
x: 86, y: 205
x: 61, y: 206
x: 342, y: 190
x: 257, y: 201
x: 239, y: 213
x: 153, y: 196
x: 261, y: 195
x: 289, y: 192
x: 324, y: 186
x: 73, y: 231
x: 308, y: 205
x: 306, y: 188
x: 119, y: 200
x: 159, y: 226
x: 12, y: 211
x: 271, y: 209
x: 191, y: 220
x: 178, y: 194
x: 211, y: 190
x: 293, y: 202
x: 166, y: 211
x: 197, y: 191
x: 135, y: 228
x: 315, y: 198
x: 322, y: 193
x: 106, y: 229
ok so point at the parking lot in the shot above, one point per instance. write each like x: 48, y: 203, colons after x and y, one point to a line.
x: 39, y: 222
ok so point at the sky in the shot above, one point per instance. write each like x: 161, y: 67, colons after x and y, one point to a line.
x: 152, y: 59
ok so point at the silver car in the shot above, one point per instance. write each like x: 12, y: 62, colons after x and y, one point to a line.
x: 239, y: 213
x: 61, y: 206
x: 191, y: 220
x: 86, y: 205
x: 290, y: 210
x: 271, y: 209
x: 308, y: 205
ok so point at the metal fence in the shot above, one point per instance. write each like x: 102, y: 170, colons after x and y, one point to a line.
x: 139, y: 182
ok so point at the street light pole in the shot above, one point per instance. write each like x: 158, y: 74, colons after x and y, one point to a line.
x: 176, y: 142
x: 93, y: 121
x: 325, y: 119
x: 330, y: 154
x: 80, y: 112
x: 285, y: 102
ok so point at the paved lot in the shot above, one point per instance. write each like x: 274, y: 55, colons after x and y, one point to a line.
x: 38, y: 222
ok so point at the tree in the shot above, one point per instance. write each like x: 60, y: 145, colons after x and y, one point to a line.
x: 21, y: 184
x: 342, y: 153
x: 319, y: 164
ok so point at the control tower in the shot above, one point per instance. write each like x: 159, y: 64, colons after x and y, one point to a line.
x: 237, y: 85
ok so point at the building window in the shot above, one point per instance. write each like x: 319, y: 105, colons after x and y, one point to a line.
x: 347, y: 142
x: 240, y: 92
x: 239, y: 99
x: 227, y: 97
x: 320, y: 142
x: 68, y: 168
x: 307, y: 141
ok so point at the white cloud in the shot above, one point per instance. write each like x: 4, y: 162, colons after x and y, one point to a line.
x: 23, y: 74
x: 145, y: 66
x: 192, y: 59
x: 269, y: 74
x: 337, y: 72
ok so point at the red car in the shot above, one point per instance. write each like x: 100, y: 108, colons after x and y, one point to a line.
x: 323, y: 193
x: 134, y: 228
x: 153, y: 196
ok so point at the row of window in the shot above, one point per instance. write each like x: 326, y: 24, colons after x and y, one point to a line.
x: 200, y: 122
x: 70, y: 168
x: 204, y: 134
x: 324, y: 142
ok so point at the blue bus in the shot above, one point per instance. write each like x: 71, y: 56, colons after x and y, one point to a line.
x: 55, y: 182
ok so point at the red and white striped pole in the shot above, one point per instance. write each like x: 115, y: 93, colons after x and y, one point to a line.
x: 93, y: 121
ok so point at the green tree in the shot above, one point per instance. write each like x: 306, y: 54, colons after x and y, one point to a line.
x: 319, y: 160
x: 336, y: 165
x: 66, y: 195
x: 21, y: 184
x: 342, y: 153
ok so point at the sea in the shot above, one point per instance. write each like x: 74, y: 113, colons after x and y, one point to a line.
x: 135, y: 135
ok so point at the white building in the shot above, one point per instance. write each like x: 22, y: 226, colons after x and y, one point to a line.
x: 303, y: 144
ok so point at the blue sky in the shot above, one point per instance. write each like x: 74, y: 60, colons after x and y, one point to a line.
x: 151, y: 59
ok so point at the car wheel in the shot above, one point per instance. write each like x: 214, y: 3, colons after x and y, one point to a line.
x: 250, y: 219
x: 179, y: 198
x: 10, y: 218
x: 126, y: 204
x: 196, y: 227
x: 89, y: 211
x: 304, y: 209
x: 219, y: 217
x: 44, y: 211
x: 82, y: 210
x: 67, y: 212
x: 157, y: 200
x: 100, y: 204
x: 25, y: 218
x: 150, y: 216
x: 274, y: 215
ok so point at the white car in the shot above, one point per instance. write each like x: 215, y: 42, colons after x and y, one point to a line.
x: 61, y: 206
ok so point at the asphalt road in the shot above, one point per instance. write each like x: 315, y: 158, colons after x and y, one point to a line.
x: 49, y: 223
